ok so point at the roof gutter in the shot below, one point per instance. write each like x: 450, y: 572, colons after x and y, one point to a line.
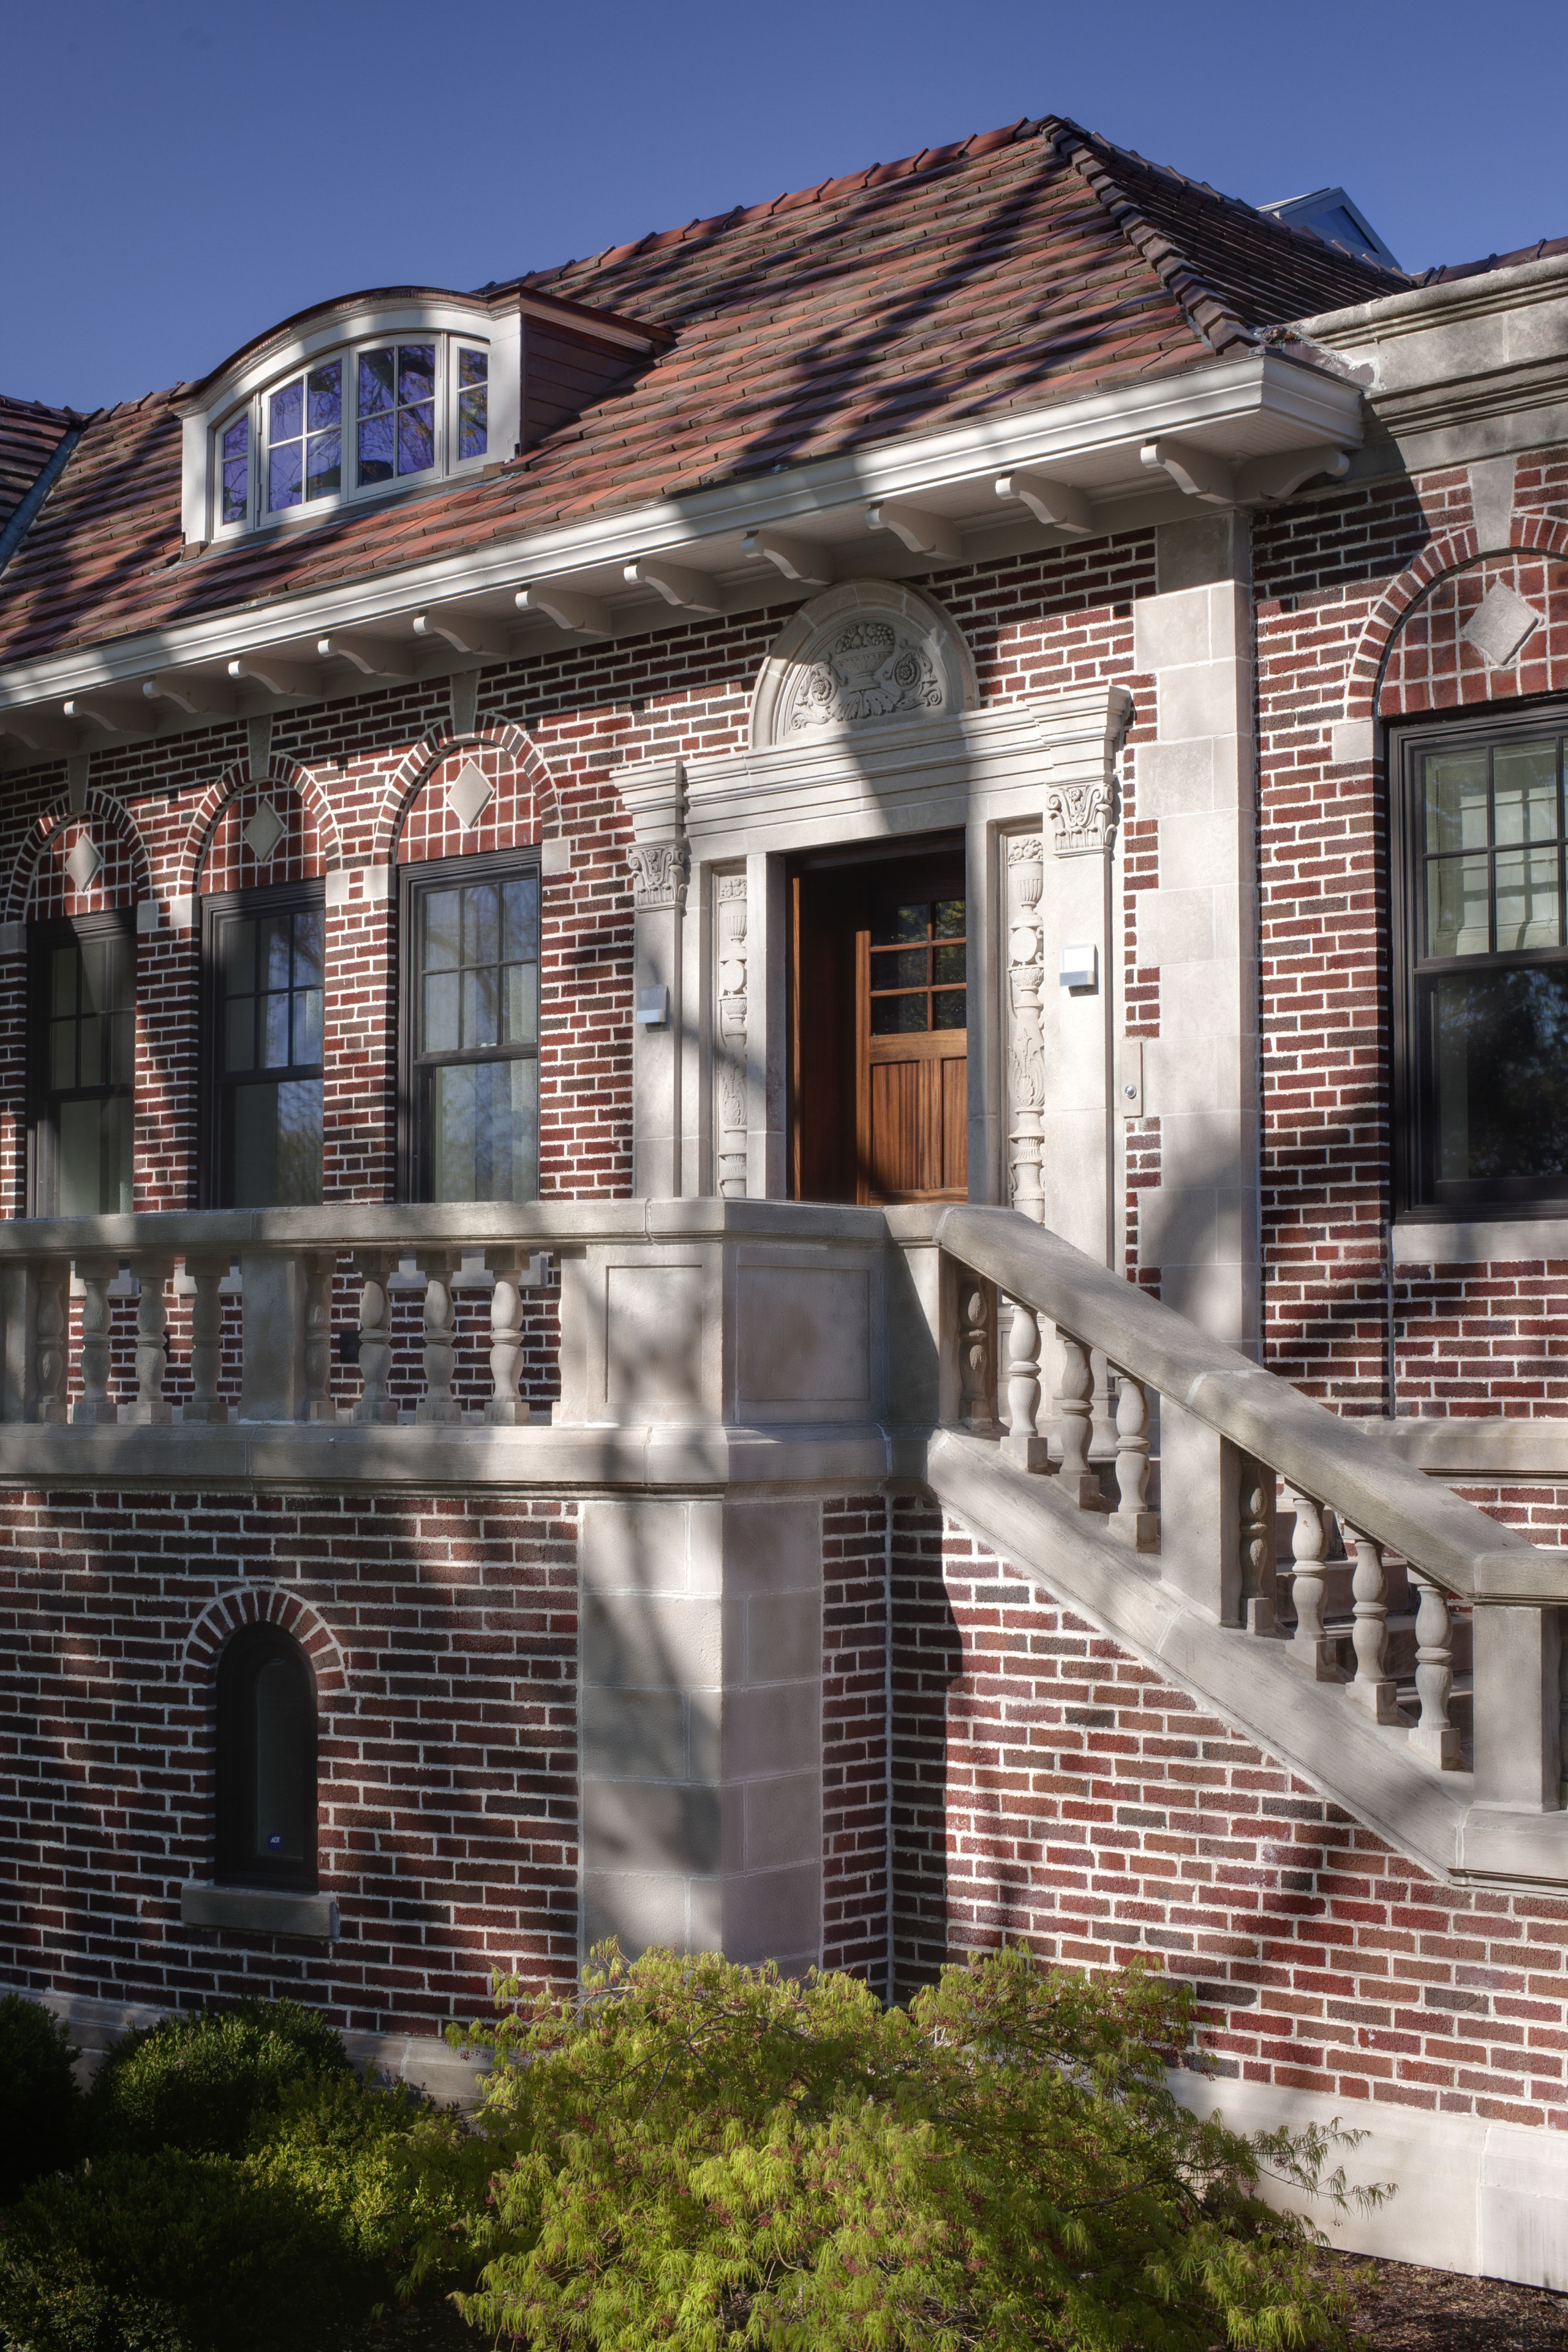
x: 54, y: 466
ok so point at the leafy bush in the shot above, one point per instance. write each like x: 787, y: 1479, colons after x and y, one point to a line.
x: 169, y: 2253
x: 197, y: 2083
x: 704, y: 2155
x: 357, y: 2156
x: 40, y: 2105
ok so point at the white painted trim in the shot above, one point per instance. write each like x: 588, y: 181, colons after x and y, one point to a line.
x: 1252, y: 407
x: 1488, y: 2200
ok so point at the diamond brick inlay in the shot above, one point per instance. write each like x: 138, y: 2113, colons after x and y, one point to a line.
x: 468, y: 795
x: 264, y: 833
x: 84, y: 864
x: 1500, y: 626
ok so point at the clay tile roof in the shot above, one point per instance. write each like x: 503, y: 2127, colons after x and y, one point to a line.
x: 1032, y: 263
x: 30, y: 436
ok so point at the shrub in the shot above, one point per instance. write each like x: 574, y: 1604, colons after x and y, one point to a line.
x: 169, y: 2253
x: 40, y: 2105
x: 197, y: 2083
x: 703, y: 2155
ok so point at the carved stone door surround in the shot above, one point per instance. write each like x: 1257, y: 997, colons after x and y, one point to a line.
x: 866, y: 726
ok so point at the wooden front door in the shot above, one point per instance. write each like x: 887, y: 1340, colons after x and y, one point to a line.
x: 879, y: 1062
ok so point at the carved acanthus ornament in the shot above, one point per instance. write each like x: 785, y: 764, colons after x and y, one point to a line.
x: 659, y: 872
x: 732, y: 1025
x: 1081, y: 817
x: 871, y: 670
x: 1027, y: 1047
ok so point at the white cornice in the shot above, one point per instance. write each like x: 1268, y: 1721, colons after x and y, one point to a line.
x: 1240, y: 410
x: 1426, y: 307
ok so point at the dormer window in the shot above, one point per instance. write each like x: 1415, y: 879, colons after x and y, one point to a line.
x: 354, y: 423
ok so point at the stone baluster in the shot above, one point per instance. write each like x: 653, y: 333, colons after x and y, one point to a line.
x: 506, y: 1408
x: 1434, y: 1734
x: 1074, y: 1410
x: 204, y: 1405
x: 95, y: 1403
x: 1024, y: 1443
x: 1257, y: 1598
x: 151, y: 1404
x: 1374, y: 1687
x: 375, y: 1405
x: 1308, y: 1541
x: 320, y: 1267
x: 51, y: 1329
x: 1131, y: 1519
x: 439, y: 1403
x: 977, y: 1359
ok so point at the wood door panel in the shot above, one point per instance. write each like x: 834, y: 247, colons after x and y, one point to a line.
x: 916, y: 1124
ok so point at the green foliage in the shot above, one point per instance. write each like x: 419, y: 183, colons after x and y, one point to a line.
x: 196, y: 2082
x: 167, y: 2253
x: 40, y: 2105
x: 704, y: 2156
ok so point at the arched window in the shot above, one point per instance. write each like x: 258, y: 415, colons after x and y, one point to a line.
x: 266, y: 1762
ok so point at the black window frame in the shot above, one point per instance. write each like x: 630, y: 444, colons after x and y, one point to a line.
x: 239, y: 1669
x: 217, y: 907
x: 1418, y: 1192
x: 415, y: 879
x: 43, y: 1140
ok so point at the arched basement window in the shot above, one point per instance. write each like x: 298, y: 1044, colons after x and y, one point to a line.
x: 267, y: 1762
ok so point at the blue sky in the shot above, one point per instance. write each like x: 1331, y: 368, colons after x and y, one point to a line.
x: 174, y: 178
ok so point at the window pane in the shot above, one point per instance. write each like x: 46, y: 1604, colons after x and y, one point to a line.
x: 120, y: 993
x: 238, y: 948
x: 908, y: 969
x: 442, y: 910
x: 1525, y: 792
x: 240, y: 1034
x: 119, y: 1124
x: 326, y: 395
x: 484, y: 1132
x: 277, y: 1146
x: 473, y: 366
x: 275, y: 1032
x: 481, y: 924
x: 89, y: 1049
x: 299, y: 1144
x: 415, y: 439
x: 520, y: 1004
x: 236, y: 470
x: 519, y: 936
x: 1499, y: 1044
x: 96, y: 982
x: 1527, y: 898
x: 323, y: 464
x: 281, y: 1734
x: 283, y: 476
x: 473, y: 424
x: 122, y: 1049
x: 1457, y: 801
x: 308, y: 1004
x: 949, y: 1009
x: 440, y: 1014
x: 63, y: 964
x: 376, y: 381
x: 480, y: 1008
x: 80, y: 1160
x: 1456, y: 910
x: 375, y: 449
x: 415, y: 372
x: 62, y: 1054
x: 274, y: 933
x: 310, y: 943
x: 285, y: 411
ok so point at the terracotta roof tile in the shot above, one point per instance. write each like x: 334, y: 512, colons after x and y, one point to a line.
x: 30, y: 436
x: 1032, y: 263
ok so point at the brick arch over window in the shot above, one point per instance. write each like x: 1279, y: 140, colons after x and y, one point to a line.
x: 212, y: 847
x: 40, y: 886
x: 247, y: 1604
x: 413, y: 824
x: 1533, y: 542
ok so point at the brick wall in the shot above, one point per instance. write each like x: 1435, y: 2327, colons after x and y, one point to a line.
x: 1052, y: 1790
x: 448, y: 1746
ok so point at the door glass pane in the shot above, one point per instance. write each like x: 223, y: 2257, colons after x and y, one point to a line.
x: 1499, y: 1046
x: 899, y: 970
x: 948, y: 918
x: 949, y: 965
x: 1457, y: 909
x: 893, y: 926
x: 949, y: 1009
x: 898, y: 1016
x: 282, y: 1733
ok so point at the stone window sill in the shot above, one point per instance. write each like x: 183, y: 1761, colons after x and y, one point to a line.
x: 259, y: 1910
x: 1479, y: 1241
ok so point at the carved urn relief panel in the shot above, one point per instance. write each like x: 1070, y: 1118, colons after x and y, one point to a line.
x: 861, y: 655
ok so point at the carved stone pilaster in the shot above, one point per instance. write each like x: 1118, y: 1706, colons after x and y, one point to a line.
x: 1083, y: 818
x: 658, y: 871
x: 1026, y: 1049
x: 730, y: 930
